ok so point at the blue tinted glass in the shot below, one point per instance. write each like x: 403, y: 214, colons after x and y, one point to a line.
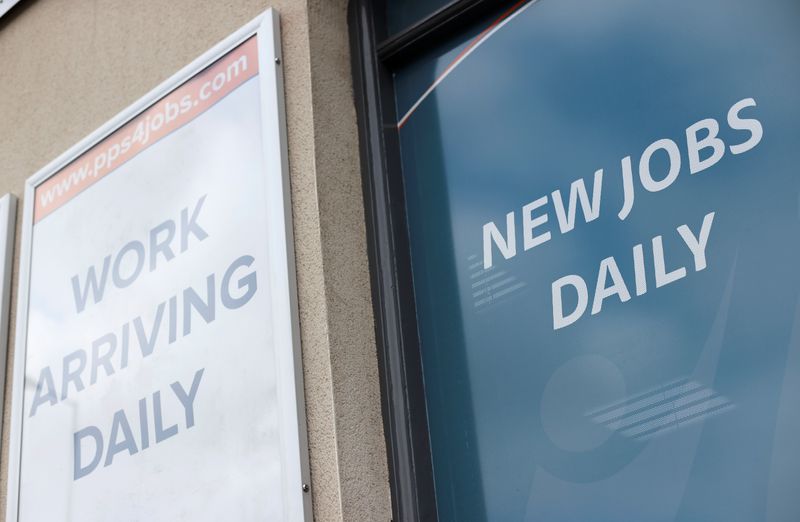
x: 400, y: 14
x: 632, y: 354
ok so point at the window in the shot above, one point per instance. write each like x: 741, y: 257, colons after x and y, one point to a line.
x: 583, y: 220
x: 402, y: 14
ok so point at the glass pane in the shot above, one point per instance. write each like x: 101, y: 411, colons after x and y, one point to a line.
x: 628, y: 169
x: 400, y: 14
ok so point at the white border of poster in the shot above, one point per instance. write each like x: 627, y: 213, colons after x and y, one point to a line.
x: 280, y: 244
x: 8, y: 220
x: 6, y: 6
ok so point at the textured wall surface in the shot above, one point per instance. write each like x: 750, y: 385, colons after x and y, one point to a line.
x: 67, y: 66
x: 356, y: 393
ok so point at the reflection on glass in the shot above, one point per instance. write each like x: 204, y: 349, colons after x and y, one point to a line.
x: 400, y: 14
x: 631, y: 352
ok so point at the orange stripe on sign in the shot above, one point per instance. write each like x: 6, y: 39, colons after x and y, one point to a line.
x: 166, y: 115
x: 513, y: 11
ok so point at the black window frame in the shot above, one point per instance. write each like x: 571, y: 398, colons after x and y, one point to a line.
x: 374, y: 55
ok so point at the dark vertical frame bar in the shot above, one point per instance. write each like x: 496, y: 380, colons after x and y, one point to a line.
x: 374, y: 54
x: 402, y: 393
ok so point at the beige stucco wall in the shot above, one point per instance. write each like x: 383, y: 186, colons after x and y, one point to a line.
x: 67, y: 66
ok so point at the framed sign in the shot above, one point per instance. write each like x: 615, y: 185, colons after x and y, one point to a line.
x: 8, y: 219
x: 157, y: 373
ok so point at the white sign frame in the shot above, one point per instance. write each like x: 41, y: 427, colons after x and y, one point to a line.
x: 8, y: 221
x: 6, y: 6
x: 283, y: 297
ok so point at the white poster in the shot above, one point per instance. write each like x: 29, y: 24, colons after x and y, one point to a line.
x: 161, y: 322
